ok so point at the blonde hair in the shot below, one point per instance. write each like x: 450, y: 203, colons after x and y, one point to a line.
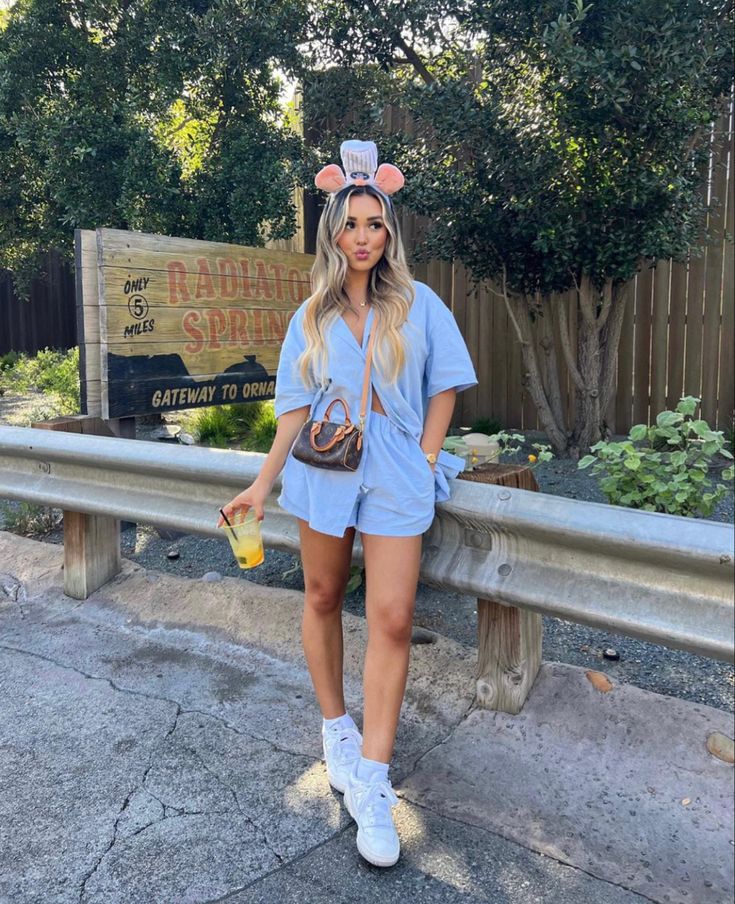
x: 390, y: 290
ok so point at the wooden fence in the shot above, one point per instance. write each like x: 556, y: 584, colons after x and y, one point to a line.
x: 48, y: 319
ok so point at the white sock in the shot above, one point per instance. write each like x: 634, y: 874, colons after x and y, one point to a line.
x: 371, y: 770
x: 344, y: 721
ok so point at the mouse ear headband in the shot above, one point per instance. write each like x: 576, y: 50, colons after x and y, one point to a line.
x: 360, y: 161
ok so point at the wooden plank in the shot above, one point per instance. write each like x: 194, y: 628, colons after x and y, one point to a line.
x: 509, y: 639
x: 484, y: 352
x: 642, y: 346
x: 158, y: 395
x: 88, y: 297
x: 501, y: 338
x: 472, y: 338
x: 445, y: 283
x: 726, y: 387
x: 251, y: 325
x: 91, y: 552
x: 122, y: 246
x: 713, y: 273
x: 623, y: 397
x: 79, y: 307
x: 659, y: 336
x: 433, y: 276
x: 508, y: 655
x: 177, y: 363
x: 458, y: 302
x: 677, y: 330
x: 181, y: 288
x: 694, y: 325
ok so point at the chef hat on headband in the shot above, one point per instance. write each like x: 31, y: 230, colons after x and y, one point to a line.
x: 360, y: 162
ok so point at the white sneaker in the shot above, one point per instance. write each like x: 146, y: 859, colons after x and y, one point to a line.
x: 342, y: 750
x: 370, y: 805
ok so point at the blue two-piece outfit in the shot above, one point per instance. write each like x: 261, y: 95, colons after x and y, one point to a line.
x: 393, y: 491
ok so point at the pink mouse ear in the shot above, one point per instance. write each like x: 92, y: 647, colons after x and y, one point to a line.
x: 330, y: 178
x: 389, y: 178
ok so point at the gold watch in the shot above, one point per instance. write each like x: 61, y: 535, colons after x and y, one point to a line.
x: 430, y: 457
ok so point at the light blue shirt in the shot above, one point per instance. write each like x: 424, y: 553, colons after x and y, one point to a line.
x: 436, y: 359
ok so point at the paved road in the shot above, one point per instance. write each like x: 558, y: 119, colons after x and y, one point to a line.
x: 159, y: 743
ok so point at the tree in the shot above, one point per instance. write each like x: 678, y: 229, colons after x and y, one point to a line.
x: 146, y: 115
x: 557, y: 146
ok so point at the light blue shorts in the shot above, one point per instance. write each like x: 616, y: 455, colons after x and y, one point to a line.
x: 396, y: 497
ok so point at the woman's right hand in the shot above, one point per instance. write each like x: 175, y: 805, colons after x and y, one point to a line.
x: 253, y: 497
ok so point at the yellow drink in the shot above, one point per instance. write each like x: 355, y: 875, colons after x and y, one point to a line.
x: 249, y: 552
x: 245, y: 540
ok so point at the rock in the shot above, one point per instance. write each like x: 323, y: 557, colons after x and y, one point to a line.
x: 721, y: 746
x: 421, y: 635
x: 166, y: 432
x: 212, y: 576
x: 187, y: 439
x: 610, y: 653
x: 173, y: 553
x: 600, y: 682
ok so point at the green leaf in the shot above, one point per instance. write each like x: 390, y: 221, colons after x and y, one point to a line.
x: 687, y: 405
x: 638, y: 432
x: 668, y: 418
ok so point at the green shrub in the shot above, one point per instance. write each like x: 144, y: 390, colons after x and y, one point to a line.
x: 215, y: 426
x: 251, y: 425
x: 486, y: 425
x: 263, y: 428
x: 662, y: 468
x: 8, y: 360
x: 54, y: 373
x: 729, y: 435
x: 29, y: 519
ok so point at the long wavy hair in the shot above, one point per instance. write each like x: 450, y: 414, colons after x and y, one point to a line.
x: 390, y: 290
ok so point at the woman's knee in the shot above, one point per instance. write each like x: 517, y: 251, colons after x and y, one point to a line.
x: 393, y: 622
x: 324, y: 597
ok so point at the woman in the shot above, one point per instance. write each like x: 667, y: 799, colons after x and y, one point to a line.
x: 360, y: 283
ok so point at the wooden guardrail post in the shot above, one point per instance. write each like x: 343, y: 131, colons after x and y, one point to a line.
x: 509, y: 638
x: 91, y: 542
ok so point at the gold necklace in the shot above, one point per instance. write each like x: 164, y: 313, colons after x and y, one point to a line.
x: 352, y: 307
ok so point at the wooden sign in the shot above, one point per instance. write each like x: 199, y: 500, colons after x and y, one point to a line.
x: 174, y: 323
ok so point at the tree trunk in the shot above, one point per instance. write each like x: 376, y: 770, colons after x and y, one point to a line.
x: 599, y: 324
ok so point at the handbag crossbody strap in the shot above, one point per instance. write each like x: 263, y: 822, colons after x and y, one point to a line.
x: 366, y: 378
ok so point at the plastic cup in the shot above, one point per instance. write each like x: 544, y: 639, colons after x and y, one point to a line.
x: 245, y: 539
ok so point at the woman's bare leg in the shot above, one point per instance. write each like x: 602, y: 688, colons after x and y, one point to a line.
x: 392, y: 573
x: 326, y: 562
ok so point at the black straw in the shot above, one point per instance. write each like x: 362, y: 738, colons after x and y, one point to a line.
x: 227, y: 522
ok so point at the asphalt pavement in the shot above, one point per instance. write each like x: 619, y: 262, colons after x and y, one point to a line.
x: 160, y: 743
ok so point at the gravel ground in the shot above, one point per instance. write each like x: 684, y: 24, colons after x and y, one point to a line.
x: 646, y: 665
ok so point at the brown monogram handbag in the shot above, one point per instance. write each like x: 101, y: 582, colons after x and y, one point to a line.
x: 325, y: 444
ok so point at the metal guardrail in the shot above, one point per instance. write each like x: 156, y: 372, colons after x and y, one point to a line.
x: 661, y: 578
